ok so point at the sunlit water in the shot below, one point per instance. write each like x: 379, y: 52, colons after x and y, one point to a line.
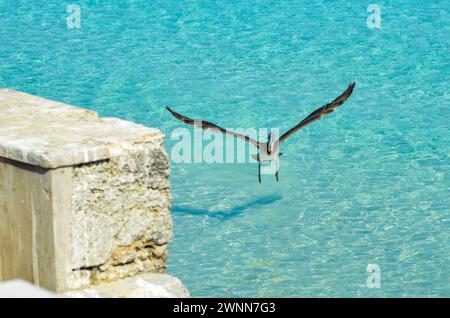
x: 368, y: 184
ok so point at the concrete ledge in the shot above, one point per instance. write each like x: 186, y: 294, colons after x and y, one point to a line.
x: 49, y: 134
x: 142, y: 286
x: 22, y: 289
x: 83, y: 200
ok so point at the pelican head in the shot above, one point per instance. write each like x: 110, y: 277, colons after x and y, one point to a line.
x: 270, y: 142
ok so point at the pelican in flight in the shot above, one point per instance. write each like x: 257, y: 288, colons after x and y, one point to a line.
x: 269, y: 151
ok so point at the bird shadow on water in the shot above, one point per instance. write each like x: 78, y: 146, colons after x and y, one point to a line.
x: 230, y: 213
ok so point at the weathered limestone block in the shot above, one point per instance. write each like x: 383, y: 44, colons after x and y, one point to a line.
x: 141, y: 286
x: 120, y: 217
x: 83, y: 200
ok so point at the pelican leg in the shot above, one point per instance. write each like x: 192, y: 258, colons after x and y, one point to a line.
x: 259, y: 171
x: 277, y: 167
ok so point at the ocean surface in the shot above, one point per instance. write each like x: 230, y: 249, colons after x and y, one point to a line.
x: 368, y: 184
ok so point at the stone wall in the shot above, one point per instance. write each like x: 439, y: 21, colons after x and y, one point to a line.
x: 120, y: 216
x: 84, y: 200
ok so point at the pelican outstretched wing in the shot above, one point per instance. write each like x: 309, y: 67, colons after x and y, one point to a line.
x: 210, y: 126
x: 319, y: 113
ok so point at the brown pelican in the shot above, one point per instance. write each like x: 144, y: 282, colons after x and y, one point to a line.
x: 269, y: 151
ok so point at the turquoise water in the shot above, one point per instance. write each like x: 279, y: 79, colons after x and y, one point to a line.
x: 368, y: 184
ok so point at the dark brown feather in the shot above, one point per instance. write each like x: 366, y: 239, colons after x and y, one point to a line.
x: 320, y: 112
x: 210, y: 126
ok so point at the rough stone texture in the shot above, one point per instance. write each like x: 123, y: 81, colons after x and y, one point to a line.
x: 120, y: 218
x: 142, y: 286
x: 83, y: 200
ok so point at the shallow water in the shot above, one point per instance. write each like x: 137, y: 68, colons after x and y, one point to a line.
x: 368, y: 184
